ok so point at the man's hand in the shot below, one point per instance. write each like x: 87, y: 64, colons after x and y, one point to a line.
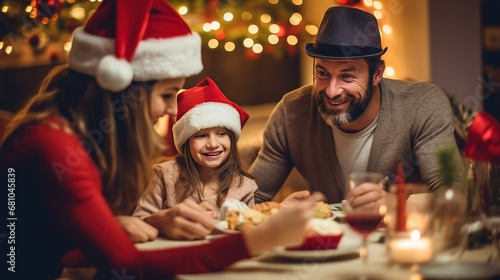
x: 184, y: 221
x: 137, y: 229
x: 295, y: 197
x: 366, y: 195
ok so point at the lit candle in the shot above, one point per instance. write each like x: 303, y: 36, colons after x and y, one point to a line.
x: 411, y: 250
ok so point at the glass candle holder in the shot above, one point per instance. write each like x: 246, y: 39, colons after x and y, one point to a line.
x: 408, y: 240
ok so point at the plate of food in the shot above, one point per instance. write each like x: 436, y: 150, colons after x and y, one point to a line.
x: 348, y: 245
x: 338, y: 209
x: 239, y: 219
x: 222, y: 227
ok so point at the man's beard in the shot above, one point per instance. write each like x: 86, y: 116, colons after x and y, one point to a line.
x: 339, y: 118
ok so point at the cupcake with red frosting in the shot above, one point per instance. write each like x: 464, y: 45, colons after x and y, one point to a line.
x: 324, y: 234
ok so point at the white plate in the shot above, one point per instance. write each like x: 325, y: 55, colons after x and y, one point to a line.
x: 348, y: 245
x: 222, y: 227
x: 336, y: 212
x: 459, y: 271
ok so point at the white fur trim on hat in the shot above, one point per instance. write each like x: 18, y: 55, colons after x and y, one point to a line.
x: 154, y: 59
x: 206, y: 115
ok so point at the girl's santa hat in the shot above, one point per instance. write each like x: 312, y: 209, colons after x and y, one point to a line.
x: 131, y: 40
x: 205, y: 106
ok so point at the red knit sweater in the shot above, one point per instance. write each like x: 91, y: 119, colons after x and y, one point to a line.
x: 60, y: 206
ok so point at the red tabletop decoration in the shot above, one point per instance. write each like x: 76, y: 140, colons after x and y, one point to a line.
x: 483, y: 139
x: 401, y: 200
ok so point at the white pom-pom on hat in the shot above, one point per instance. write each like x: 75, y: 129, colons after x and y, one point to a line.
x: 114, y: 74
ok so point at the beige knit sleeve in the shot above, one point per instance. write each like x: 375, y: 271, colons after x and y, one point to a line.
x: 153, y: 198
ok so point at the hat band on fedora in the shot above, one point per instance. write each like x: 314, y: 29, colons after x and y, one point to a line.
x: 337, y: 51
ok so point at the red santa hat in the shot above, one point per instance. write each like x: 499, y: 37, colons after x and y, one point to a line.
x: 205, y: 106
x: 132, y: 40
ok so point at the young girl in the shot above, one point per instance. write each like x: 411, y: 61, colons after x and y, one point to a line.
x: 208, y: 168
x: 79, y: 153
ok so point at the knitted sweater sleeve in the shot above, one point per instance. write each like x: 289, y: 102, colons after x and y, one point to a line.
x: 272, y: 165
x: 154, y: 196
x: 71, y: 188
x: 433, y: 129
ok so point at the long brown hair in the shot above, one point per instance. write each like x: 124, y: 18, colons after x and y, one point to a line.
x: 116, y: 129
x: 189, y: 176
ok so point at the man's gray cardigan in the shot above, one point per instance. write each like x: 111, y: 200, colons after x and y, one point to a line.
x: 415, y: 120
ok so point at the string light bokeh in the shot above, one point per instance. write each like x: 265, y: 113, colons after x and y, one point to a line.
x: 277, y: 27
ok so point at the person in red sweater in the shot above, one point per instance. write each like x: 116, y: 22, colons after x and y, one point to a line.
x: 79, y: 155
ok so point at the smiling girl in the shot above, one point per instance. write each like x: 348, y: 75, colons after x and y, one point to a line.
x: 208, y: 168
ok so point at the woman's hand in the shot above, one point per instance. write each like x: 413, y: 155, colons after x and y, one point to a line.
x: 137, y: 229
x: 287, y: 228
x: 184, y: 221
x: 295, y: 197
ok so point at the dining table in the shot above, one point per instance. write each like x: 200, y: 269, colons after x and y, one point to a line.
x: 473, y: 263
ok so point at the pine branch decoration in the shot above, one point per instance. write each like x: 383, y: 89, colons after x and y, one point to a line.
x: 447, y: 165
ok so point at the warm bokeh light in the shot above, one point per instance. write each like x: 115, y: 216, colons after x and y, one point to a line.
x: 207, y: 27
x: 215, y: 25
x: 273, y: 1
x: 387, y: 29
x: 312, y: 29
x: 273, y: 39
x: 292, y: 40
x: 253, y: 29
x: 183, y: 10
x: 5, y: 9
x: 246, y: 16
x: 377, y: 5
x: 274, y: 28
x: 257, y: 48
x: 78, y: 13
x: 377, y: 14
x: 1, y: 45
x: 228, y: 16
x: 297, y: 2
x: 8, y: 49
x: 28, y: 9
x: 229, y: 46
x: 368, y: 3
x: 265, y: 18
x: 67, y: 46
x: 213, y: 43
x: 389, y: 71
x: 295, y: 19
x: 248, y: 42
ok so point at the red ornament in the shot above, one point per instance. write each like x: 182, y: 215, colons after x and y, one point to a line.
x: 220, y: 35
x: 53, y: 57
x: 251, y: 55
x: 47, y: 9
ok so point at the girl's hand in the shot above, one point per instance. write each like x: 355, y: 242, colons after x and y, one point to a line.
x: 184, y: 221
x: 137, y: 229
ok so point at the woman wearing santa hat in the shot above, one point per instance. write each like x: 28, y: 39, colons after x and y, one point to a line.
x: 80, y: 153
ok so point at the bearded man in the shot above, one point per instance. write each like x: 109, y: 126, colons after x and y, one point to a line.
x: 351, y: 119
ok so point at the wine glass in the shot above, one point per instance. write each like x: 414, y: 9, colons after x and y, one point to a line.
x: 487, y: 194
x: 365, y: 219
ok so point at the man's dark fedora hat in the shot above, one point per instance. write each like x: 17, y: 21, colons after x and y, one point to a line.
x: 346, y: 32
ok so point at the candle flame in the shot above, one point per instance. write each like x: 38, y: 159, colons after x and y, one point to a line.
x: 415, y: 235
